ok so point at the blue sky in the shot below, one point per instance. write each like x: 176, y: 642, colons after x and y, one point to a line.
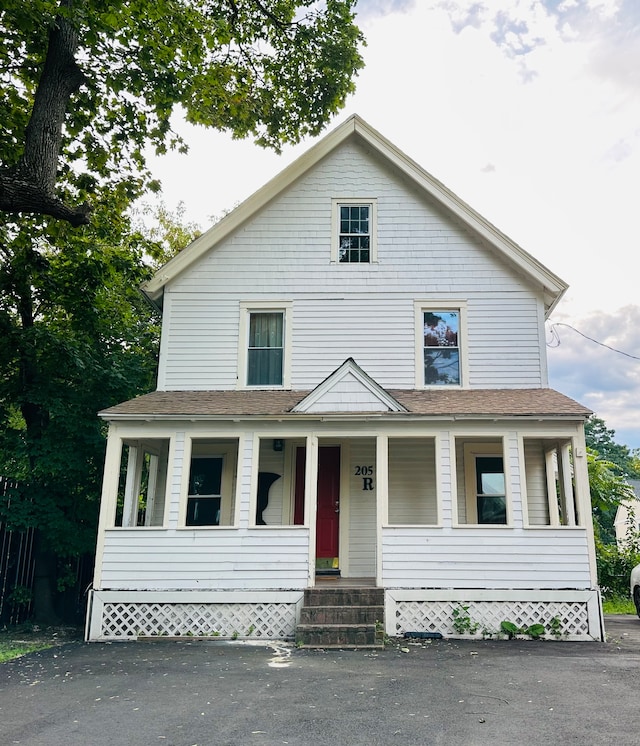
x: 530, y: 111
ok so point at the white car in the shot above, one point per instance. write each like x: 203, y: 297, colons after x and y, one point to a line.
x: 635, y: 587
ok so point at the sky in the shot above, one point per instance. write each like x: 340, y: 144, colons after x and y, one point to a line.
x: 529, y: 110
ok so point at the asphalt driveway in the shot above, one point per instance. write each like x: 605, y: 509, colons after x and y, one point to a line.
x: 230, y: 694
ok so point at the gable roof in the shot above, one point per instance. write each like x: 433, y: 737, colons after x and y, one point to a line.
x: 551, y: 285
x: 348, y: 389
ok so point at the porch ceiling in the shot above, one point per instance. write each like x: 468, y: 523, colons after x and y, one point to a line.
x: 430, y: 403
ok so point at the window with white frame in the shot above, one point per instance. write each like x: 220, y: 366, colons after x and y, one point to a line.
x: 440, y: 339
x: 441, y: 348
x: 354, y: 227
x: 265, y: 350
x: 485, y: 483
x: 265, y: 346
x: 211, y: 483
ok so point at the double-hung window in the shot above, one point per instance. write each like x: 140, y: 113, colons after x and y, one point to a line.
x: 205, y: 491
x: 265, y: 346
x: 209, y: 480
x: 486, y: 484
x: 439, y: 351
x: 265, y: 353
x: 354, y: 231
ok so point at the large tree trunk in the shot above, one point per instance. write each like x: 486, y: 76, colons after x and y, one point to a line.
x: 30, y: 185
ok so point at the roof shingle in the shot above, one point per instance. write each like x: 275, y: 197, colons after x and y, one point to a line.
x: 436, y: 403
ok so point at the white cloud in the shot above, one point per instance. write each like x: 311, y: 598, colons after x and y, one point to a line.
x: 596, y: 360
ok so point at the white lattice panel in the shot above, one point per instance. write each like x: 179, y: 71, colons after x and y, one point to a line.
x: 437, y: 616
x: 257, y: 620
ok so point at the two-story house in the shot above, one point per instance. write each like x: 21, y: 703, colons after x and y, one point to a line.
x: 352, y: 393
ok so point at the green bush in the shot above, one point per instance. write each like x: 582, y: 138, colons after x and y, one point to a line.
x: 614, y: 567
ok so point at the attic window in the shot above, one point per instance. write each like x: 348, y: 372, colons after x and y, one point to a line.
x: 354, y: 231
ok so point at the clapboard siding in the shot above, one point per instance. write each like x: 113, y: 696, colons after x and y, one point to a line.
x: 342, y: 310
x: 504, y: 351
x: 412, y: 481
x: 485, y: 558
x: 362, y: 510
x: 206, y: 559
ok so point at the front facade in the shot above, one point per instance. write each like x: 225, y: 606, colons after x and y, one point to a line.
x: 352, y: 386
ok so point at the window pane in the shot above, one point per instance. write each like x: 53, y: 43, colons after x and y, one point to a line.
x: 265, y: 330
x: 441, y: 366
x: 265, y: 367
x: 492, y: 510
x: 441, y: 329
x: 205, y: 476
x: 203, y: 511
x: 492, y: 484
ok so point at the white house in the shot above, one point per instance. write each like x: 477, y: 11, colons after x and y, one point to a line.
x: 352, y: 392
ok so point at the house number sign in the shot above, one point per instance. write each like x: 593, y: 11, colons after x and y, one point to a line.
x: 366, y: 472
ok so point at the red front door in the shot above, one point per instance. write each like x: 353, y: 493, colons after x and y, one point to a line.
x: 328, y: 513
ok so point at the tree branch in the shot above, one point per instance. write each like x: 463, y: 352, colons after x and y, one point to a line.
x: 20, y: 195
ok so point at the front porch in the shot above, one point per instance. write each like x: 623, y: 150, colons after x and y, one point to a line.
x: 222, y: 531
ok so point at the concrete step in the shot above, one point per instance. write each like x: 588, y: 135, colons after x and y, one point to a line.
x: 338, y: 636
x: 341, y: 614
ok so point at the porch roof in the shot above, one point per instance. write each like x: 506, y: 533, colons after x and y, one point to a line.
x: 275, y: 403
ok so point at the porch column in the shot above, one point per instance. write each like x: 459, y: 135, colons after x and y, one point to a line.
x: 445, y: 463
x: 311, y: 502
x: 583, y: 498
x: 247, y: 476
x: 151, y: 489
x: 109, y: 496
x: 567, y: 486
x: 382, y: 498
x: 132, y: 487
x: 550, y: 464
x: 514, y: 477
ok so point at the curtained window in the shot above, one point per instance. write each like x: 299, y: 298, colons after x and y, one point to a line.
x: 266, y: 349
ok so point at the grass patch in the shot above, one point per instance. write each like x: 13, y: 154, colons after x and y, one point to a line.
x: 28, y: 638
x: 10, y: 649
x: 618, y: 605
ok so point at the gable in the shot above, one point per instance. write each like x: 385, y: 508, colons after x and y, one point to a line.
x: 356, y: 132
x: 348, y: 389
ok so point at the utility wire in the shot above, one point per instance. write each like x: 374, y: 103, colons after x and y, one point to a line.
x: 555, y: 339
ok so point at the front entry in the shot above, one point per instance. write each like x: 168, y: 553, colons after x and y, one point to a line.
x: 328, y: 510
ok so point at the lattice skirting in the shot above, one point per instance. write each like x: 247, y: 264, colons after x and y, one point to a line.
x: 117, y: 616
x: 568, y: 615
